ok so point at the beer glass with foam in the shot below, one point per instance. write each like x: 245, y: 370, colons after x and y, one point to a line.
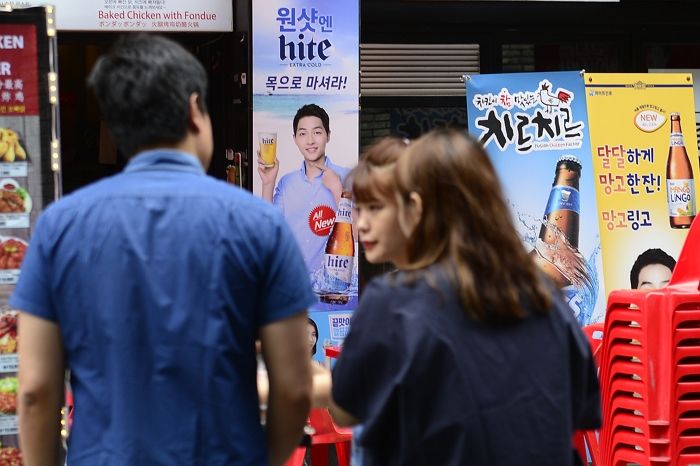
x: 268, y: 148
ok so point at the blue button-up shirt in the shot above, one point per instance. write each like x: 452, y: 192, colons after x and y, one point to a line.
x: 160, y: 278
x: 299, y: 197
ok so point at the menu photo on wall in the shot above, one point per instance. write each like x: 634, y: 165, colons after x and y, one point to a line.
x: 645, y: 157
x: 29, y: 179
x: 534, y: 127
x: 306, y: 136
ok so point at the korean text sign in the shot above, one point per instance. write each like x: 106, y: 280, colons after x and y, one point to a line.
x: 534, y: 127
x: 643, y: 202
x: 306, y: 54
x: 139, y: 15
x: 18, y: 71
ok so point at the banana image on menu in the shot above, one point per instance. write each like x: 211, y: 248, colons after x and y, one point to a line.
x: 13, y: 154
x: 10, y: 147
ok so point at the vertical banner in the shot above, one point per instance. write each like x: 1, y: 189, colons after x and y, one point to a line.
x: 645, y: 159
x: 27, y: 180
x: 306, y: 66
x: 535, y: 129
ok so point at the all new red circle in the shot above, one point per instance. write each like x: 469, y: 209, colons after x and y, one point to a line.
x: 321, y: 220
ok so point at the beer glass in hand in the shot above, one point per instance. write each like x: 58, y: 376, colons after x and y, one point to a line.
x: 268, y: 148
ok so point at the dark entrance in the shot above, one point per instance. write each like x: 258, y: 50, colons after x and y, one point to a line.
x: 87, y: 151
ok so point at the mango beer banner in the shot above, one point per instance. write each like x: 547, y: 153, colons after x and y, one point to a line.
x: 306, y: 65
x: 645, y: 158
x: 535, y: 129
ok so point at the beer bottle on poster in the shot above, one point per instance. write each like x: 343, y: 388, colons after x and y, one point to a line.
x: 560, y: 224
x: 680, y: 185
x: 340, y: 253
x: 231, y: 169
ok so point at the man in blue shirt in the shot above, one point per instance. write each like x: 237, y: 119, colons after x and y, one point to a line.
x: 308, y: 197
x: 152, y: 286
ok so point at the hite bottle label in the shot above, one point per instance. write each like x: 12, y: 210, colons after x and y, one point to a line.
x: 344, y: 214
x: 563, y: 198
x: 681, y: 198
x: 339, y: 267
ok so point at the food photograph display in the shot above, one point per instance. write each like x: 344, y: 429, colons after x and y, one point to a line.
x: 9, y: 445
x: 14, y: 156
x: 29, y: 181
x: 11, y: 149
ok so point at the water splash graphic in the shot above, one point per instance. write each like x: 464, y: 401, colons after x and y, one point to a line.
x: 582, y: 294
x: 322, y: 283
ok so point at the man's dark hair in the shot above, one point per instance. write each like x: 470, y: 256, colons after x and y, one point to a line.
x: 649, y: 257
x: 312, y: 110
x: 143, y: 85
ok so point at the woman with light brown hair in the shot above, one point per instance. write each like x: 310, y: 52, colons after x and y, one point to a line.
x: 468, y: 355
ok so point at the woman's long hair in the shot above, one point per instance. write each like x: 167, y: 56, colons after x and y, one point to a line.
x: 373, y: 178
x: 466, y: 227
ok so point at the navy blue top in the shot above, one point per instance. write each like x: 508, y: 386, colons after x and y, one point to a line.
x: 434, y: 387
x: 160, y: 278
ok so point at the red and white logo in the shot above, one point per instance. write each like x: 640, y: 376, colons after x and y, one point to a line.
x: 649, y: 120
x: 321, y: 220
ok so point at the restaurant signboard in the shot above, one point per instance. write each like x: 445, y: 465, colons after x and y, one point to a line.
x: 139, y: 15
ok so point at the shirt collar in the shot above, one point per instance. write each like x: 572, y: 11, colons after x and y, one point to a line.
x: 165, y: 159
x: 328, y: 163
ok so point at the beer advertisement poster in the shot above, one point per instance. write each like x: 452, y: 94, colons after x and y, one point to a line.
x: 306, y: 118
x: 645, y: 159
x: 534, y: 127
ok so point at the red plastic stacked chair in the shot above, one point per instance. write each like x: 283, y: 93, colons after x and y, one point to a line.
x: 326, y: 433
x: 650, y: 370
x: 594, y: 334
x: 587, y: 442
x: 297, y: 457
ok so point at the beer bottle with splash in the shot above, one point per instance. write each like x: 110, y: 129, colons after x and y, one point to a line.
x: 560, y: 224
x: 340, y: 253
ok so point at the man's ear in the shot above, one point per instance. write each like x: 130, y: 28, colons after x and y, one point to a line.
x: 411, y: 214
x: 196, y: 115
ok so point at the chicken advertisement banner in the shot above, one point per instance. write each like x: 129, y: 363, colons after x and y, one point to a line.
x: 27, y: 179
x: 645, y: 159
x: 534, y: 127
x: 306, y: 140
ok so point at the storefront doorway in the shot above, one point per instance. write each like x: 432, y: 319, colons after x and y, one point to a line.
x: 86, y: 149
